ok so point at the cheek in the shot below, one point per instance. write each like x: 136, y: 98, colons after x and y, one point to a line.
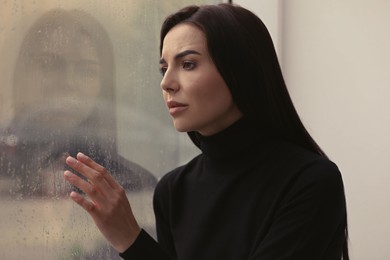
x: 213, y: 92
x: 89, y: 87
x: 164, y: 95
x: 217, y: 104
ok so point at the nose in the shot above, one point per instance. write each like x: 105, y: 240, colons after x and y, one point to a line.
x: 169, y: 82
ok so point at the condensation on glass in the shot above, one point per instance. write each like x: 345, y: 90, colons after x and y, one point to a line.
x: 79, y: 76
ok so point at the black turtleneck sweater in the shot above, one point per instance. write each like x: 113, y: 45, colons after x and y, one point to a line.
x: 247, y: 197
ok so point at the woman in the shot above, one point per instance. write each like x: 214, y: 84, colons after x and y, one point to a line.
x: 65, y: 103
x: 261, y: 189
x: 64, y: 89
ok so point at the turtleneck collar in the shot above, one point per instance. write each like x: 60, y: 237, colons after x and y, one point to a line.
x: 230, y: 142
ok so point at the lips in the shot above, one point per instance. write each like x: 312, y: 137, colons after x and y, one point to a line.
x: 176, y: 107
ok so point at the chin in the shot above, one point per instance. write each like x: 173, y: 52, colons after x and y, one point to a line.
x: 182, y: 127
x: 182, y: 130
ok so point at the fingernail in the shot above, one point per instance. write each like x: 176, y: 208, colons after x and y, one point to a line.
x: 73, y: 194
x: 81, y: 155
x: 71, y: 160
x: 68, y: 173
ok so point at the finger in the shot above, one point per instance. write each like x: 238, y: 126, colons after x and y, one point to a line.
x: 78, y: 182
x: 96, y: 188
x: 79, y: 167
x: 92, y: 164
x: 94, y: 192
x: 95, y: 177
x: 83, y: 202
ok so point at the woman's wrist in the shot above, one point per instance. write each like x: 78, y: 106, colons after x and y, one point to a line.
x: 129, y: 242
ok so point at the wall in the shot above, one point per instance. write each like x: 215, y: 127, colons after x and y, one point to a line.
x: 335, y: 57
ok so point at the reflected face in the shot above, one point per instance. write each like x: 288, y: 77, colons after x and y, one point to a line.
x: 197, y: 97
x: 62, y: 78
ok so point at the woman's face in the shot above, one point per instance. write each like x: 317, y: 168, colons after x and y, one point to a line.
x: 61, y: 78
x: 197, y: 97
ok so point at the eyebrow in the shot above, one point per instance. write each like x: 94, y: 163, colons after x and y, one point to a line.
x: 180, y: 55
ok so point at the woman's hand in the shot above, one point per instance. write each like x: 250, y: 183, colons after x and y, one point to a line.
x: 107, y: 204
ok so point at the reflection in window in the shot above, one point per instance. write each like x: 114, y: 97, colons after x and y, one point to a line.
x: 64, y: 103
x: 70, y: 81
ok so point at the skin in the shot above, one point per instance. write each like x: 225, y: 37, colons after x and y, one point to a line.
x: 107, y: 203
x: 198, y: 99
x: 191, y: 79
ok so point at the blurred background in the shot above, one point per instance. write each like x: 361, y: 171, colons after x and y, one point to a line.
x: 83, y: 76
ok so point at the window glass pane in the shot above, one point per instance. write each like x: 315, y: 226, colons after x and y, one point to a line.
x: 79, y: 76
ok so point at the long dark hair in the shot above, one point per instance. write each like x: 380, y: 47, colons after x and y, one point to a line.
x: 243, y: 52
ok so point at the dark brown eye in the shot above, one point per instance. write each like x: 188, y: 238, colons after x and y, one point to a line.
x: 188, y: 65
x: 163, y: 70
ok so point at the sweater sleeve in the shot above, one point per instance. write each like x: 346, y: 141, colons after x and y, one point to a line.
x: 310, y: 221
x: 144, y: 248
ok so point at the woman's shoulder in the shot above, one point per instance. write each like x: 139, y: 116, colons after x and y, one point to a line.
x: 294, y: 154
x: 309, y: 168
x: 300, y: 163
